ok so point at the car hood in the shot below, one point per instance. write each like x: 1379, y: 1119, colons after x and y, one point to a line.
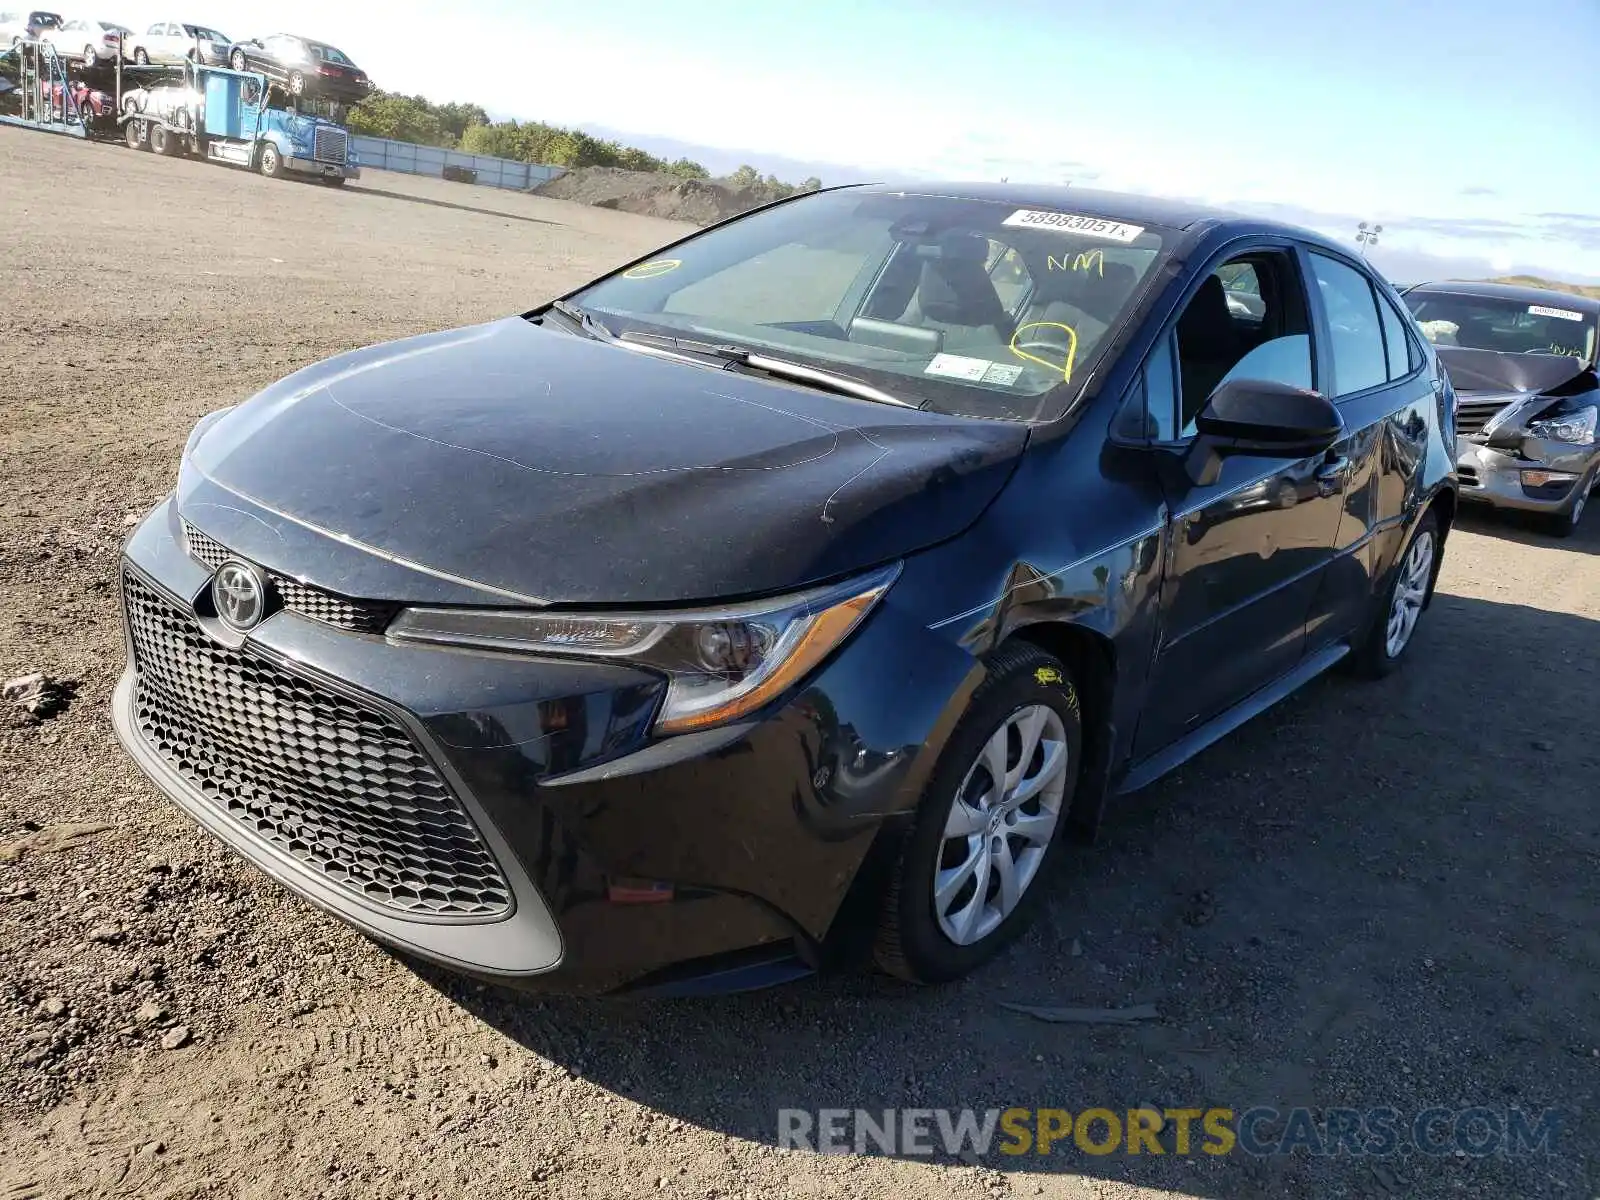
x: 538, y: 464
x: 1488, y: 371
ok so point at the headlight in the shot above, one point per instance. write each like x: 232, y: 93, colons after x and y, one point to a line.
x: 1577, y: 427
x: 721, y: 664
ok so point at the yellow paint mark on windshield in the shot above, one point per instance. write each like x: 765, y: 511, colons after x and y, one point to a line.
x: 652, y: 270
x: 1092, y: 260
x: 1072, y: 347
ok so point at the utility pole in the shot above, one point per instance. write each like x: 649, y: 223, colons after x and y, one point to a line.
x: 1367, y: 236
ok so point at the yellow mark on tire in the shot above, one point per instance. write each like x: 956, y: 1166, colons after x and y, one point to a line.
x: 653, y: 269
x: 1072, y: 347
x: 1048, y: 675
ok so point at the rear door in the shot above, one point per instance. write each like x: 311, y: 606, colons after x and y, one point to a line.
x: 1376, y: 376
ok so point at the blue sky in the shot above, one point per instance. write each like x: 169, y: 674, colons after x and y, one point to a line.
x: 1450, y: 124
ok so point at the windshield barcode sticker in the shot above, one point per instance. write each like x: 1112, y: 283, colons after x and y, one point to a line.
x: 1565, y: 314
x: 957, y: 366
x: 1099, y: 227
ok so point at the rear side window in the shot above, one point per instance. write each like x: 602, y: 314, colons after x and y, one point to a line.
x: 1359, y: 358
x: 1403, y: 356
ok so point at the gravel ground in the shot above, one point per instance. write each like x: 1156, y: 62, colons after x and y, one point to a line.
x: 1374, y: 895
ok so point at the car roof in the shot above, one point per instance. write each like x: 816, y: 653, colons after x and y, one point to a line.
x: 1515, y: 292
x: 1131, y: 207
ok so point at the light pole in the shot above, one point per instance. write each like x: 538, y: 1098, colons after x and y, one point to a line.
x: 1367, y: 236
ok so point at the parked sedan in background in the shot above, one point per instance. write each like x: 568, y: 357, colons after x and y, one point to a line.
x: 95, y: 42
x: 25, y: 24
x: 174, y: 41
x: 303, y: 66
x: 1523, y: 361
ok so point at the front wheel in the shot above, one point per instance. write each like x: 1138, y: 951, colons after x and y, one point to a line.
x: 1565, y: 524
x: 968, y: 875
x: 1390, y: 632
x: 333, y: 180
x: 271, y: 161
x: 238, y: 61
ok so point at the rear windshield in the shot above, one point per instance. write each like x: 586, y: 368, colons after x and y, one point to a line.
x: 329, y: 54
x: 209, y: 35
x: 965, y: 306
x: 1506, y: 326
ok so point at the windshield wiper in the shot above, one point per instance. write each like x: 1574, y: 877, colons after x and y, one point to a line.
x: 584, y: 320
x: 783, y: 368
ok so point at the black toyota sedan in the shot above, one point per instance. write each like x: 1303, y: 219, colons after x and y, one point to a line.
x: 305, y: 67
x: 793, y: 594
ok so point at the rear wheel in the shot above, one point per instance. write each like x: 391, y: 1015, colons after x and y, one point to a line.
x: 89, y: 56
x: 161, y: 139
x: 134, y: 134
x: 271, y: 162
x: 238, y: 61
x: 1390, y: 633
x: 141, y: 56
x: 969, y: 872
x: 297, y: 83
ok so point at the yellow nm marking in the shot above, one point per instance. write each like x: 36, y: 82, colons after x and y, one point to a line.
x: 1047, y: 675
x: 1072, y: 347
x: 650, y: 270
x: 1083, y: 262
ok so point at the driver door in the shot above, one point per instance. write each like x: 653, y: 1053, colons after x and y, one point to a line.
x: 1246, y: 553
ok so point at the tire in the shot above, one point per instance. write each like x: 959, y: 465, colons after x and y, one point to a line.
x: 923, y: 938
x: 297, y: 83
x: 134, y: 133
x: 238, y: 61
x: 1564, y: 525
x: 161, y: 140
x: 270, y: 162
x: 334, y: 180
x: 90, y: 58
x: 141, y: 56
x: 1384, y: 647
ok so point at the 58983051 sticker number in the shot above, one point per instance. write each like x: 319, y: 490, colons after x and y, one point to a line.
x: 1098, y: 227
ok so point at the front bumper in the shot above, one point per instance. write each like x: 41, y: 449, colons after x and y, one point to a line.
x: 307, y: 166
x: 1490, y: 476
x: 757, y: 844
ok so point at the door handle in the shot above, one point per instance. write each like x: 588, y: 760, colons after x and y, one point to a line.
x: 1331, y: 474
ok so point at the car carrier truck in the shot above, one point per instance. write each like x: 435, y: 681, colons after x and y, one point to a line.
x: 239, y: 118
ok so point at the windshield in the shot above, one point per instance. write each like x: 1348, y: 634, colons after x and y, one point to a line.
x: 965, y: 306
x: 1502, y: 325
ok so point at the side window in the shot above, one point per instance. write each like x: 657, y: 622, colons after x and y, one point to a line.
x: 1359, y: 360
x: 1010, y: 277
x: 1259, y: 331
x: 1403, y: 356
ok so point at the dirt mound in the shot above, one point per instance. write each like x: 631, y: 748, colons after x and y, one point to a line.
x: 651, y: 194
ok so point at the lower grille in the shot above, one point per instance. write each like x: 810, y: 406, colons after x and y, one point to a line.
x: 329, y: 145
x: 1473, y: 415
x: 339, y: 787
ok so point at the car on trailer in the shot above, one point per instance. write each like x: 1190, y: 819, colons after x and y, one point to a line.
x: 96, y: 43
x: 234, y: 117
x: 303, y: 65
x: 26, y: 25
x: 180, y: 41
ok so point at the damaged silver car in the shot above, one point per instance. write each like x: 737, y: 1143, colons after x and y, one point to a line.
x: 1523, y: 362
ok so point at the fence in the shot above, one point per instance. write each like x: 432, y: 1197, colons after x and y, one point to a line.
x: 388, y: 155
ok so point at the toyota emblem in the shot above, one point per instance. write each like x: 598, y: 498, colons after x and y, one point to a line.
x: 240, y: 596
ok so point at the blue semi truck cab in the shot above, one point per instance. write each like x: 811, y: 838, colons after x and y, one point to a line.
x: 239, y: 118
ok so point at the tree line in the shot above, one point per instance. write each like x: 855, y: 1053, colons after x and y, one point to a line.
x: 467, y: 127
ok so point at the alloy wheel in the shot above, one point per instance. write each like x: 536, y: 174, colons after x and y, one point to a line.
x: 1000, y: 824
x: 1410, y: 591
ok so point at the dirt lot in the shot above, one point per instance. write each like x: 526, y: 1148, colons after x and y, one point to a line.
x: 1375, y: 895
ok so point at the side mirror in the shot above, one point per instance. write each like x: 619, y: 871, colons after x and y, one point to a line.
x: 1262, y: 418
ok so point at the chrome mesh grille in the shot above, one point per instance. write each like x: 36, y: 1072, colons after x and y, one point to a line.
x: 329, y: 145
x: 358, y: 616
x: 340, y: 787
